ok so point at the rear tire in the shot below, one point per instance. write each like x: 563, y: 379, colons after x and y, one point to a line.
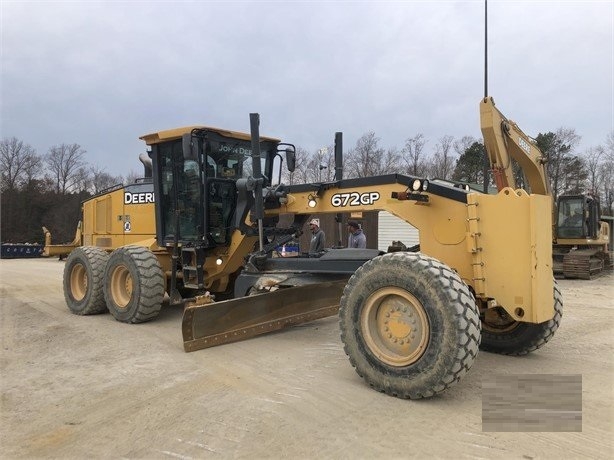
x: 501, y: 334
x: 410, y: 325
x: 84, y: 280
x: 133, y: 284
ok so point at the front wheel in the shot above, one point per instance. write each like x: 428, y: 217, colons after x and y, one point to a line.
x: 502, y: 334
x: 133, y: 284
x: 409, y: 325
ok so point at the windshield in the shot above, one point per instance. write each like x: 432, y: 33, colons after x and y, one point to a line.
x: 231, y: 158
x: 571, y: 221
x: 199, y: 198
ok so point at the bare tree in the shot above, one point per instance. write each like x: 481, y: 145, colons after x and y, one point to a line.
x: 413, y: 153
x: 18, y: 161
x: 83, y: 180
x: 131, y: 177
x: 322, y: 165
x: 301, y: 170
x: 366, y: 158
x: 443, y: 160
x: 562, y: 163
x: 64, y: 163
x: 391, y: 162
x: 33, y: 168
x: 461, y: 145
x: 607, y: 175
x: 100, y: 179
x: 607, y: 188
x: 593, y: 160
x: 609, y: 147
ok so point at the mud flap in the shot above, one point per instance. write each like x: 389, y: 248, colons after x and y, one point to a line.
x: 217, y: 323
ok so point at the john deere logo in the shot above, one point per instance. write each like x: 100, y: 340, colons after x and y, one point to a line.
x: 138, y: 198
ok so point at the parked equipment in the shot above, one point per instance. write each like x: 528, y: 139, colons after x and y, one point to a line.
x: 581, y: 247
x: 20, y: 251
x: 411, y: 322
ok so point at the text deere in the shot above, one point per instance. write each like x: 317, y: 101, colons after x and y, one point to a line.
x: 138, y: 198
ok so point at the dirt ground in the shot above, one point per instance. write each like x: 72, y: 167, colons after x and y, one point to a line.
x: 90, y: 387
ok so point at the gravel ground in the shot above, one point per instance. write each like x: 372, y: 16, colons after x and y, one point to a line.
x: 90, y: 387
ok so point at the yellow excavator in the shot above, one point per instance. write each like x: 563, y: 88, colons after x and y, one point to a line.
x: 582, y: 240
x: 201, y: 230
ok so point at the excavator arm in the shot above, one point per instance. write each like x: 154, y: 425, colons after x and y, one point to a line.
x: 504, y: 141
x: 578, y: 257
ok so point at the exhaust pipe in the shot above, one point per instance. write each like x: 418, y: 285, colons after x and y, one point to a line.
x: 254, y: 123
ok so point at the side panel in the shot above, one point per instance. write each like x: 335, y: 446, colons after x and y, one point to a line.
x: 510, y: 241
x: 123, y: 216
x: 138, y: 218
x: 99, y: 226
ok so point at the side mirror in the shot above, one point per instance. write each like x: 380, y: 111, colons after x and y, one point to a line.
x: 290, y: 155
x: 190, y: 147
x: 291, y: 159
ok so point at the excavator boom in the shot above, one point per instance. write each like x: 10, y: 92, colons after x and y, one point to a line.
x: 504, y: 141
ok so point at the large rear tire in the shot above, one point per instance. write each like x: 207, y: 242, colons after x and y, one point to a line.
x: 84, y: 279
x: 502, y: 334
x: 133, y: 284
x: 409, y: 324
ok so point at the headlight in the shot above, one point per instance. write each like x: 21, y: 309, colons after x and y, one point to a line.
x: 415, y: 186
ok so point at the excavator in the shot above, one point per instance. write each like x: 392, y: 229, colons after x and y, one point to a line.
x: 200, y: 231
x: 582, y: 240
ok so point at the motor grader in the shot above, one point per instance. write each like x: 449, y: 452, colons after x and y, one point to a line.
x: 411, y: 322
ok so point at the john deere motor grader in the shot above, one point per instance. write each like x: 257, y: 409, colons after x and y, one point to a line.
x: 411, y: 322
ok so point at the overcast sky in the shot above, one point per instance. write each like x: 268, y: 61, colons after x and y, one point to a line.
x: 101, y: 74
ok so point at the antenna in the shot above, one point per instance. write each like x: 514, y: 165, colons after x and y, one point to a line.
x: 485, y: 49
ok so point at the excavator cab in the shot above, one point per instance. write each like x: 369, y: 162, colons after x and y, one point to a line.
x: 577, y: 217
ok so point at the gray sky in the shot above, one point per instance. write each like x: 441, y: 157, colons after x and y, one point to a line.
x: 101, y: 74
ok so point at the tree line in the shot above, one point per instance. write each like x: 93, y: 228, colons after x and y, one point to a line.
x: 464, y: 160
x: 47, y: 189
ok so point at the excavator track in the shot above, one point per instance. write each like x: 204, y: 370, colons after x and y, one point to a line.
x: 211, y: 324
x: 583, y: 263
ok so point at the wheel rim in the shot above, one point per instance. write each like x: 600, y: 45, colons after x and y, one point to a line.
x: 78, y: 282
x: 395, y: 327
x: 496, y: 320
x: 121, y: 286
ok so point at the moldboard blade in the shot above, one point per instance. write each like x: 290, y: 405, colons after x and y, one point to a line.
x: 217, y: 323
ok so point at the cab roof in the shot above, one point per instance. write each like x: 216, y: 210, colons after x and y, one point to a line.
x: 176, y: 133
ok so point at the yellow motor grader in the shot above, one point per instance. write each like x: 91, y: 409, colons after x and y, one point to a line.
x: 411, y: 322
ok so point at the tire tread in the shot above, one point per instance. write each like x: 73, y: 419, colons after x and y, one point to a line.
x: 466, y: 318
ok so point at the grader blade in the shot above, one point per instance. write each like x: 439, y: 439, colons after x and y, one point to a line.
x: 217, y: 323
